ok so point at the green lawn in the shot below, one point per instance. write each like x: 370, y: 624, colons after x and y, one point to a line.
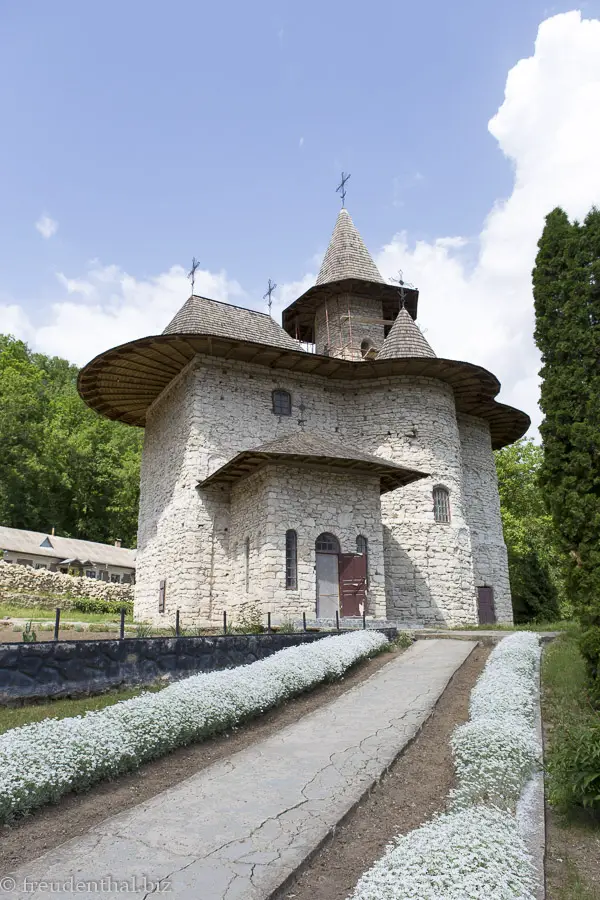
x: 13, y: 717
x: 47, y: 615
x: 573, y: 833
x: 558, y: 625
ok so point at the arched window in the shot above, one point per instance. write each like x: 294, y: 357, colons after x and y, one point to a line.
x: 291, y: 560
x: 441, y: 504
x: 327, y: 543
x: 362, y: 547
x: 282, y: 403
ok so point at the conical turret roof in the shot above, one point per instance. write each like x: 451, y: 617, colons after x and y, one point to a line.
x: 405, y: 339
x: 347, y: 255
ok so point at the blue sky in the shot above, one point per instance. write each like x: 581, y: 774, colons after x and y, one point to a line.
x: 151, y: 131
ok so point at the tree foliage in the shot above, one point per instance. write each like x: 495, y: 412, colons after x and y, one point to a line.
x: 62, y: 464
x: 535, y: 560
x: 566, y: 282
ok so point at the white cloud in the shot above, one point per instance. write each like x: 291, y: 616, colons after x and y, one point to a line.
x: 548, y: 127
x: 46, y: 226
x: 475, y: 301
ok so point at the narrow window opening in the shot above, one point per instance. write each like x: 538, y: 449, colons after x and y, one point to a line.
x: 291, y: 560
x: 441, y: 505
x: 282, y: 403
x: 247, y: 554
x: 362, y: 547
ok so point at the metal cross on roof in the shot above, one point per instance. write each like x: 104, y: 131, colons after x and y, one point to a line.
x: 270, y: 290
x: 192, y: 273
x: 402, y: 285
x: 341, y: 188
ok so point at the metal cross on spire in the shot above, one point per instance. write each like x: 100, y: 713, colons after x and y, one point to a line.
x: 341, y: 188
x: 192, y: 273
x: 270, y: 290
x: 402, y: 285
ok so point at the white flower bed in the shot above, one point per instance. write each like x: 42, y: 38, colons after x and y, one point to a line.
x: 498, y: 750
x: 474, y: 853
x: 476, y: 850
x: 41, y: 762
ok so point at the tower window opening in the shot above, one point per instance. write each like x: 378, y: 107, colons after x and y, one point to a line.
x: 247, y: 560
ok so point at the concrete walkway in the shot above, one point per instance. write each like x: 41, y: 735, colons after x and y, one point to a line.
x: 239, y: 828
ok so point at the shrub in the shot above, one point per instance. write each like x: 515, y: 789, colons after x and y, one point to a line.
x: 106, y: 607
x: 589, y: 645
x: 574, y: 766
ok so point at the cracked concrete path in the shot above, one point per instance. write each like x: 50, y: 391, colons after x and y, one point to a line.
x: 239, y: 828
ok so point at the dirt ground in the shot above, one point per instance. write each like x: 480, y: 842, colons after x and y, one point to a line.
x: 8, y: 636
x: 412, y: 791
x: 77, y: 813
x: 572, y: 858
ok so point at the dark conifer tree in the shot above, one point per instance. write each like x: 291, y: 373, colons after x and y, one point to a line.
x: 566, y: 283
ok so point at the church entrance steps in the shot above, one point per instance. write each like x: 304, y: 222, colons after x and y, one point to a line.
x: 241, y: 827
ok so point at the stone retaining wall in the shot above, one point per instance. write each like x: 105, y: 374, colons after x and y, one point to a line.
x: 16, y: 579
x: 50, y: 669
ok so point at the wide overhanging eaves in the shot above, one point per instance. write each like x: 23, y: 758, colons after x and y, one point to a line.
x: 247, y: 462
x: 123, y: 382
x: 298, y: 318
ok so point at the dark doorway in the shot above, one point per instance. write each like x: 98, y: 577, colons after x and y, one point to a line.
x: 485, y: 606
x: 353, y: 583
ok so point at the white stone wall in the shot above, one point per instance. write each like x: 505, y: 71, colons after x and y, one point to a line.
x: 428, y: 565
x: 193, y: 537
x: 482, y: 505
x: 280, y: 497
x: 342, y: 335
x: 16, y: 579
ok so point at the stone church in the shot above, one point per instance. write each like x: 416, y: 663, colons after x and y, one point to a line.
x: 331, y: 463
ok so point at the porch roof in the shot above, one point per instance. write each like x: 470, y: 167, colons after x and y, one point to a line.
x: 312, y: 450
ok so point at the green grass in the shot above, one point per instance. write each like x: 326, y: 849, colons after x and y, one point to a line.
x: 36, y: 614
x: 14, y: 716
x: 558, y: 625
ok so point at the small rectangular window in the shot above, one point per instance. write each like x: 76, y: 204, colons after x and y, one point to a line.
x: 291, y: 560
x: 282, y: 403
x: 162, y: 590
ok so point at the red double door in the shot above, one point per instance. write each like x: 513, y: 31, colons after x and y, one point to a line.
x: 353, y: 583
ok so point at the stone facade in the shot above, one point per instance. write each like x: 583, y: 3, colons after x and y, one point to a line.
x: 195, y: 538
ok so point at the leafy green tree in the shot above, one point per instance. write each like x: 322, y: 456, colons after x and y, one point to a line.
x: 566, y: 282
x: 62, y: 464
x: 535, y: 560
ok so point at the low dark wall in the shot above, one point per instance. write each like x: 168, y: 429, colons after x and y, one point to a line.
x: 66, y: 668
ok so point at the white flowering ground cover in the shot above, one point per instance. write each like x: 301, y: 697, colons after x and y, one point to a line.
x: 41, y: 762
x: 476, y: 850
x: 497, y: 751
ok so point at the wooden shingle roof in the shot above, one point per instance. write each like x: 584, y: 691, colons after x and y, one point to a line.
x: 347, y: 255
x: 199, y: 314
x: 313, y: 450
x: 405, y: 339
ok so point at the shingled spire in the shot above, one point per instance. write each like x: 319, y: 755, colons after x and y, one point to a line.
x: 404, y: 339
x: 347, y: 255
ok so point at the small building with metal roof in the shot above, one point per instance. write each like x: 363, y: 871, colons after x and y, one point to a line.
x: 331, y: 464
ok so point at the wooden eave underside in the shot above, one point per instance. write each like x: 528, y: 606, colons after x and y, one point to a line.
x: 123, y: 382
x: 250, y: 461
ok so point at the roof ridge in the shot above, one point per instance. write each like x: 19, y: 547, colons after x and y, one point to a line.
x: 259, y: 312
